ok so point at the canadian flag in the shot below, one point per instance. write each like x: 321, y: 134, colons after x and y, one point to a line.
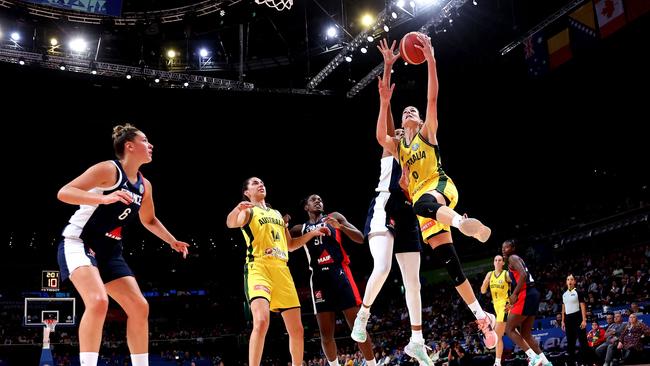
x: 611, y: 16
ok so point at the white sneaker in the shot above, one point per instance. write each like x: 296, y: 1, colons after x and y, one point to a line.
x: 418, y: 351
x: 475, y: 229
x: 359, y: 329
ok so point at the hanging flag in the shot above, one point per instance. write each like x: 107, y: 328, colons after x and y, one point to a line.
x: 611, y: 16
x: 559, y: 50
x: 536, y: 55
x: 584, y: 20
x: 636, y: 8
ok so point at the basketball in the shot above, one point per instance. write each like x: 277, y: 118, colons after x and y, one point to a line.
x: 408, y: 51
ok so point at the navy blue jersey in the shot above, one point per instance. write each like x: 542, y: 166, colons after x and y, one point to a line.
x: 106, y: 221
x: 325, y: 250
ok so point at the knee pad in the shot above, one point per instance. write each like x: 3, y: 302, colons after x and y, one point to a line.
x: 447, y: 254
x: 427, y: 206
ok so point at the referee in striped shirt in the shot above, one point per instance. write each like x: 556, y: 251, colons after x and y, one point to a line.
x: 574, y: 321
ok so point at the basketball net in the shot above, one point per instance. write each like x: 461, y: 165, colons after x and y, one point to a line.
x: 49, y: 325
x: 277, y: 4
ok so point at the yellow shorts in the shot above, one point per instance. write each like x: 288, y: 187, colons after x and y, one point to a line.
x: 500, y: 310
x: 270, y: 279
x: 428, y: 226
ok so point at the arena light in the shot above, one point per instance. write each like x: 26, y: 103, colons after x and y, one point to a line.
x: 474, y: 2
x: 171, y: 53
x: 62, y: 67
x: 367, y: 20
x: 348, y: 58
x: 386, y: 29
x: 186, y: 84
x: 331, y: 32
x: 364, y: 50
x: 400, y: 3
x: 21, y: 61
x: 78, y: 45
x: 203, y: 52
x: 54, y: 41
x: 370, y: 38
x: 394, y: 15
x: 128, y: 75
x: 15, y: 36
x: 156, y: 80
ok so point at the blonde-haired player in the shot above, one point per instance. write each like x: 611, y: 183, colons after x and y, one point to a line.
x: 499, y: 283
x: 267, y: 281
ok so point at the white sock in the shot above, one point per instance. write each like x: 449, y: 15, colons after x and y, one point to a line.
x: 416, y: 335
x: 475, y: 307
x: 530, y: 353
x: 371, y: 362
x: 543, y: 357
x: 334, y: 363
x: 497, y: 361
x: 409, y: 265
x: 88, y: 358
x: 381, y: 248
x: 455, y: 221
x: 141, y: 359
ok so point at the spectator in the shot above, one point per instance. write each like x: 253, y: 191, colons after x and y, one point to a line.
x: 607, y: 350
x: 630, y: 342
x: 596, y: 336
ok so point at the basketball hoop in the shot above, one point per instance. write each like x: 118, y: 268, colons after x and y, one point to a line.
x: 50, y: 324
x: 279, y: 5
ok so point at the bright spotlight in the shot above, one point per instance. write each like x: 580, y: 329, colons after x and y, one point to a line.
x: 15, y: 36
x: 394, y: 15
x: 78, y: 45
x: 128, y: 75
x: 171, y: 53
x: 54, y: 41
x: 364, y: 50
x: 400, y: 3
x: 331, y: 32
x: 62, y: 67
x: 186, y: 84
x: 367, y: 20
x: 21, y: 61
x: 386, y: 29
x: 203, y: 52
x: 348, y: 58
x: 156, y: 80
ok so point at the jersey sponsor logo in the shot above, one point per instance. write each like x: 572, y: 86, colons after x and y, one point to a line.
x: 427, y: 225
x: 415, y: 146
x: 325, y: 258
x: 276, y: 252
x: 141, y: 188
x: 262, y: 288
x: 115, y: 233
x: 318, y: 296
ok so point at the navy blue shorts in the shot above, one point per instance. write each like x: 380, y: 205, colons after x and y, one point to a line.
x: 393, y: 212
x: 333, y: 289
x: 105, y: 255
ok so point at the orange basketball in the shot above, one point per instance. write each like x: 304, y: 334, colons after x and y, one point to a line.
x: 407, y: 50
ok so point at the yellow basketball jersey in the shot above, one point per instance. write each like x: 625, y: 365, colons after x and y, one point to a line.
x: 499, y: 287
x: 265, y: 236
x: 423, y: 161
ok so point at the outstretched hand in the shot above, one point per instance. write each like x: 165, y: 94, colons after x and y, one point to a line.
x: 388, y: 52
x: 385, y: 91
x: 426, y: 48
x: 181, y: 247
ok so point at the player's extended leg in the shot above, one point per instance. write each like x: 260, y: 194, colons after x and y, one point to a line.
x: 293, y: 323
x: 90, y: 286
x: 381, y: 248
x: 326, y: 325
x: 444, y: 250
x: 126, y: 292
x: 433, y: 205
x: 500, y: 330
x: 261, y: 319
x: 409, y: 265
x: 527, y: 334
x: 365, y: 347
